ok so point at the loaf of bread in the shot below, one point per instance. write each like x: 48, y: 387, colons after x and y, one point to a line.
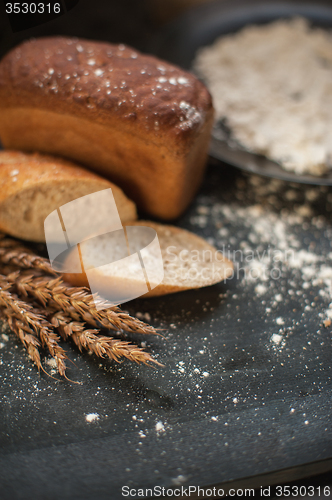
x: 33, y: 185
x: 139, y: 121
x: 189, y: 262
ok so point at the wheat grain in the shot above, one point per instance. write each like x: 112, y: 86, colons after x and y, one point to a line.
x: 26, y: 336
x: 100, y: 345
x: 62, y: 307
x: 18, y: 309
x: 78, y: 303
x: 13, y: 253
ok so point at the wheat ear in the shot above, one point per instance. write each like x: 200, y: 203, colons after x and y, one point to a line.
x: 77, y: 303
x: 26, y: 336
x: 13, y: 253
x: 18, y: 309
x: 102, y: 346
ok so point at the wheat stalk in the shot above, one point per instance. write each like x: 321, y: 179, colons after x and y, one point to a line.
x: 26, y: 336
x: 102, y: 346
x: 77, y: 302
x: 64, y: 307
x: 14, y: 307
x: 13, y: 253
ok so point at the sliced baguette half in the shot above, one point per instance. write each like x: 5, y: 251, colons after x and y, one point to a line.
x: 33, y: 185
x: 189, y: 262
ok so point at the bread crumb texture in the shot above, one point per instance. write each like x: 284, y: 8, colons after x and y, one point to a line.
x: 34, y: 185
x: 188, y: 261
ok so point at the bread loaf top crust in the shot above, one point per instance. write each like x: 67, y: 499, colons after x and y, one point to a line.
x: 90, y: 79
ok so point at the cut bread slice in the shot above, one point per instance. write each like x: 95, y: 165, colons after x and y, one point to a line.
x: 33, y: 185
x: 188, y: 262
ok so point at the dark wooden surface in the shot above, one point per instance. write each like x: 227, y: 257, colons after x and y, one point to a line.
x: 242, y: 424
x: 233, y: 404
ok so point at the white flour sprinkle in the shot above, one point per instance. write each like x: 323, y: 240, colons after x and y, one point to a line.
x: 159, y: 427
x: 260, y: 289
x: 272, y: 85
x: 276, y: 338
x: 264, y: 245
x: 91, y: 417
x: 51, y: 363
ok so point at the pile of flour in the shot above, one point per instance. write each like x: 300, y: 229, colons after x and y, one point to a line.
x: 272, y: 85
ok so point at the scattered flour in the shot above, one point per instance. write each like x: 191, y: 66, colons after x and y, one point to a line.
x: 177, y: 481
x: 272, y: 86
x: 276, y: 338
x: 51, y: 362
x: 92, y: 417
x: 160, y: 427
x: 143, y: 316
x: 268, y: 247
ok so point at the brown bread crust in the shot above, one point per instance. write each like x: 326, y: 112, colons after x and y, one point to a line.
x: 142, y: 109
x: 91, y: 79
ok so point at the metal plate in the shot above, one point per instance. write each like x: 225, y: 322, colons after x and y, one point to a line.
x: 200, y: 27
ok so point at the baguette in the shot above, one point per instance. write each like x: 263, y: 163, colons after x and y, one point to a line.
x: 33, y: 185
x: 189, y: 262
x: 141, y: 122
